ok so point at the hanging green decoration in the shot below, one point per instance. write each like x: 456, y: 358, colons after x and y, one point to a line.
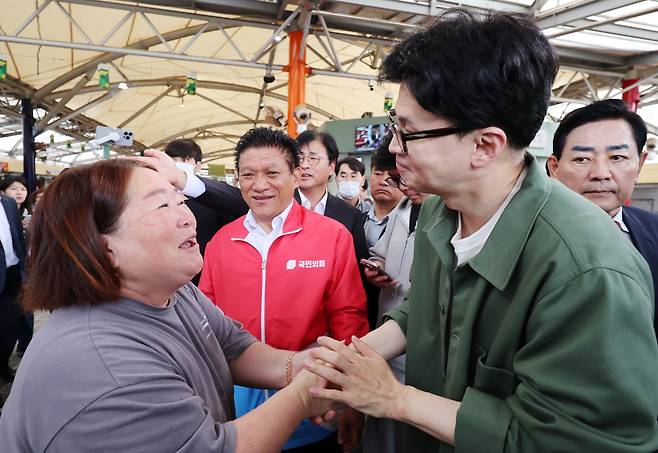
x: 190, y: 83
x: 52, y: 139
x: 388, y: 101
x: 3, y: 67
x: 104, y: 75
x: 69, y: 144
x: 82, y: 147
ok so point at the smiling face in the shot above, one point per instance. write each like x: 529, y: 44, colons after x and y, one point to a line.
x: 17, y: 191
x: 155, y: 243
x: 313, y: 174
x: 600, y: 161
x: 267, y: 183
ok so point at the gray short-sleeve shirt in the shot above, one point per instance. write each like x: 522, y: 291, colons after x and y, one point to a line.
x: 126, y: 376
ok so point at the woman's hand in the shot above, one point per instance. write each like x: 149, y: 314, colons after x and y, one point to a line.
x: 366, y: 382
x: 314, y: 407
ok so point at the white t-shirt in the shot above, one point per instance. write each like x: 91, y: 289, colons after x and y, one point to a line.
x: 466, y: 249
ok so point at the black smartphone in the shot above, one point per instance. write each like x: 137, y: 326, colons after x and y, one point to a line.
x: 372, y: 266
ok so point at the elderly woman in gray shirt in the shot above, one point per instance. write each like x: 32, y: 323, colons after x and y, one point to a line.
x: 133, y: 357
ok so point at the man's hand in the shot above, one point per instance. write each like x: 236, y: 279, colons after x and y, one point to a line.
x: 164, y: 165
x: 365, y: 380
x: 350, y: 429
x: 377, y: 279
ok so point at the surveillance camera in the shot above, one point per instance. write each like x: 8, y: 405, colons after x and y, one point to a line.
x: 302, y: 115
x: 371, y: 85
x: 268, y: 78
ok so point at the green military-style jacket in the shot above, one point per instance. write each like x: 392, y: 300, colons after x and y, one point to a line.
x: 546, y: 336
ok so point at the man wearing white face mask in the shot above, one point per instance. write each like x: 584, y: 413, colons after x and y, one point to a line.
x: 350, y: 176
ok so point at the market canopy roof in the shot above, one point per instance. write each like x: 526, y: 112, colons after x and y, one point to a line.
x: 54, y: 47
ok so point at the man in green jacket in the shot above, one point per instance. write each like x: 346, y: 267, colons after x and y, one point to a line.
x: 528, y: 325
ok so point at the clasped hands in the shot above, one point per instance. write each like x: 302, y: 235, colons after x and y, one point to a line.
x: 358, y: 377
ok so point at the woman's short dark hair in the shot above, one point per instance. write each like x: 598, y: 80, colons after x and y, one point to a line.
x: 327, y: 141
x: 10, y: 179
x: 353, y: 163
x: 478, y: 71
x: 608, y: 109
x: 68, y: 262
x: 263, y: 137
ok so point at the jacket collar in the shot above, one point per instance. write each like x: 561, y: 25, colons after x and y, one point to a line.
x: 497, y: 259
x: 292, y: 224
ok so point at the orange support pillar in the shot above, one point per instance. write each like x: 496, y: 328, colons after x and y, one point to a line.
x: 632, y: 96
x: 297, y: 72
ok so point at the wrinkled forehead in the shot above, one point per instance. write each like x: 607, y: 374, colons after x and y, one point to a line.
x: 608, y: 133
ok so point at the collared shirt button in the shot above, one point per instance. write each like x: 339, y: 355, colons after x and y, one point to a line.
x: 454, y: 337
x: 442, y: 308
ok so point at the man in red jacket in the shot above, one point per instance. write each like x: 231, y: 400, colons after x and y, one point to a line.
x: 288, y: 274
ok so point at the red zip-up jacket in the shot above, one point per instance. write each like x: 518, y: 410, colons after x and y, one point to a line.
x: 309, y: 285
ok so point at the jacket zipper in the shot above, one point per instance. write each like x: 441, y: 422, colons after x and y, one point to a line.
x: 262, y: 290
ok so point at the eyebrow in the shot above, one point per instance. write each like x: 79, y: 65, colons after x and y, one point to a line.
x: 616, y: 147
x: 582, y: 148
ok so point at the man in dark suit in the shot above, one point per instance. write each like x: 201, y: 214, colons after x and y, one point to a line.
x: 598, y: 153
x: 12, y: 255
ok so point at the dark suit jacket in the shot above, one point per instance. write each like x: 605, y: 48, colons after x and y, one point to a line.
x: 353, y: 220
x: 218, y: 205
x: 643, y: 229
x: 18, y: 241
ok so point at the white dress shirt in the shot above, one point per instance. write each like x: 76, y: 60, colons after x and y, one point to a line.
x: 320, y: 207
x: 5, y: 237
x: 261, y: 240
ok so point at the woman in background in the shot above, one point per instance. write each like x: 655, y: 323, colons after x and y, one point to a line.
x: 15, y: 186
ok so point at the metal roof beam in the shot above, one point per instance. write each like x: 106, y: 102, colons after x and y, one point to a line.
x: 573, y: 56
x: 161, y: 142
x: 648, y: 58
x: 150, y: 104
x: 619, y: 30
x: 565, y: 14
x: 426, y: 8
x: 107, y: 96
x: 592, y: 24
x: 240, y: 7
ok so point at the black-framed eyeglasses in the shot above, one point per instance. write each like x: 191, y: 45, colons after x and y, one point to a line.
x: 395, y: 182
x: 311, y: 159
x: 403, y: 137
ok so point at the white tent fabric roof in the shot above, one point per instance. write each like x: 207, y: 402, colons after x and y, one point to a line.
x: 66, y: 35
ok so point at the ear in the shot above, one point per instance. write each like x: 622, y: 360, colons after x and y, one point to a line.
x: 296, y: 175
x: 489, y: 143
x: 108, y: 242
x: 552, y: 164
x: 643, y: 158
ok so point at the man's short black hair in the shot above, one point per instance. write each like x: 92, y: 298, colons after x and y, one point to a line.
x: 609, y: 109
x: 264, y: 137
x: 354, y: 164
x: 184, y: 148
x: 383, y: 159
x: 327, y: 141
x: 479, y: 71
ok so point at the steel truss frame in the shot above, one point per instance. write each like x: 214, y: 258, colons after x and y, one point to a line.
x: 594, y: 75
